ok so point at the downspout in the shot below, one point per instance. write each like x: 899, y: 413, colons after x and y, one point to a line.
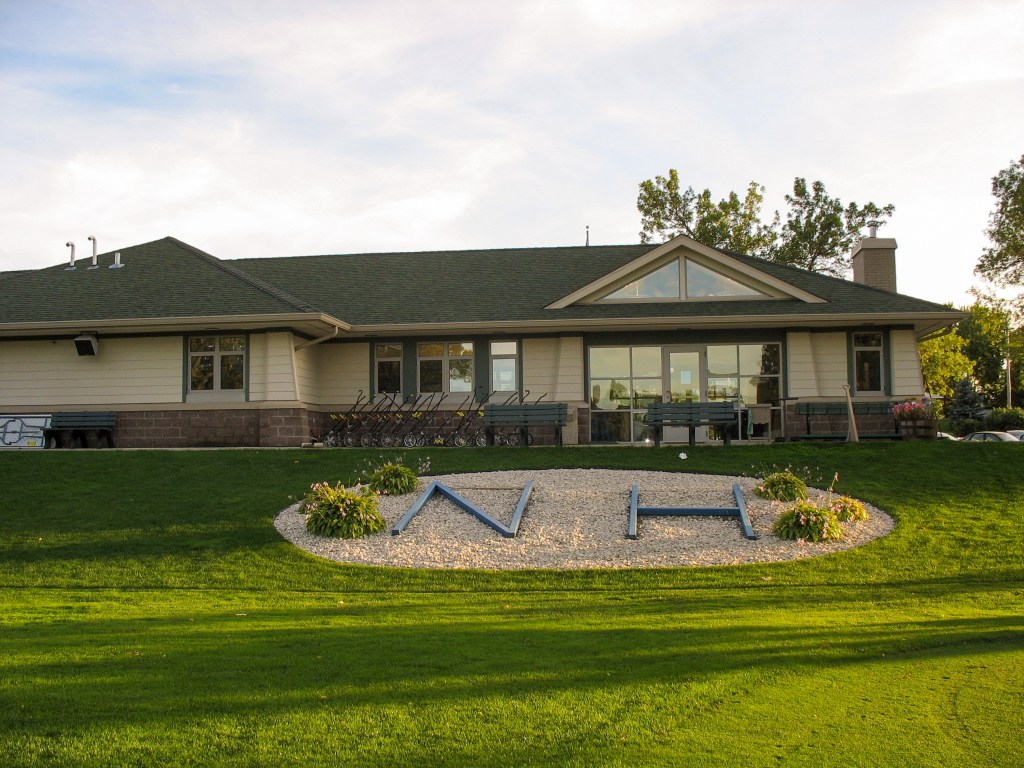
x: 313, y: 342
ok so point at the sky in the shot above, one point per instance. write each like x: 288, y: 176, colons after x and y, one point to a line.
x: 253, y: 129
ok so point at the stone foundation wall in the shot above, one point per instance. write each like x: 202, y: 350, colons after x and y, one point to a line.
x: 867, y: 424
x: 444, y: 423
x: 280, y: 427
x: 283, y: 427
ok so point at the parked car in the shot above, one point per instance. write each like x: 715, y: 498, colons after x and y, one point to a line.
x: 945, y: 436
x: 1018, y: 433
x: 990, y: 437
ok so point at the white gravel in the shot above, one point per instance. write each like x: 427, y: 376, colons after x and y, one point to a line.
x: 576, y: 519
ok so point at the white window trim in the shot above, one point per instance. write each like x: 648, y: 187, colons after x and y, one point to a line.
x: 881, y: 361
x: 445, y: 359
x: 216, y: 395
x: 514, y: 357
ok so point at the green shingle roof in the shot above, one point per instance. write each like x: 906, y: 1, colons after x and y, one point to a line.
x: 170, y: 279
x: 162, y: 279
x: 516, y: 284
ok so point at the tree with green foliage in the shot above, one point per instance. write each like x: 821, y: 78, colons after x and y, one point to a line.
x: 731, y: 224
x: 966, y: 401
x: 944, y: 362
x: 1003, y: 261
x: 818, y: 234
x: 992, y: 333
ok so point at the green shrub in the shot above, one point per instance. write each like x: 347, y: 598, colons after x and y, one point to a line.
x: 847, y: 509
x: 391, y: 476
x: 782, y: 486
x: 1002, y: 419
x: 392, y: 479
x: 961, y: 427
x: 805, y: 521
x: 347, y: 513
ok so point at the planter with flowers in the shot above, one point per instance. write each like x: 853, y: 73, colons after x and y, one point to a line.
x: 916, y: 419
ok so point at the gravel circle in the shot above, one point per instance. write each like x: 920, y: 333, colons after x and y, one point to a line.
x: 576, y: 519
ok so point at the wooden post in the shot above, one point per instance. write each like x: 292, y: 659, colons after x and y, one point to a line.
x: 851, y: 435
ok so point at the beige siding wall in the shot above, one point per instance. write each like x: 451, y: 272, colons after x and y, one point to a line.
x: 45, y: 374
x: 800, y: 372
x: 907, y: 380
x: 272, y: 367
x: 307, y: 369
x: 831, y: 363
x: 554, y: 366
x: 344, y: 369
x: 817, y: 364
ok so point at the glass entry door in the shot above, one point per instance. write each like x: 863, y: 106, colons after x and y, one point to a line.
x: 685, y: 382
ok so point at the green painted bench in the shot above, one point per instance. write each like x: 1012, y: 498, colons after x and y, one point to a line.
x: 691, y: 415
x: 832, y: 409
x: 523, y: 416
x: 77, y: 429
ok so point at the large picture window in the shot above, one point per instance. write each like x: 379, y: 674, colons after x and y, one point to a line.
x: 216, y: 367
x: 751, y: 374
x: 868, y: 371
x: 623, y: 382
x: 445, y: 366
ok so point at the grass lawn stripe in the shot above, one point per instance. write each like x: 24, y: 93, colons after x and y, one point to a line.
x: 150, y: 615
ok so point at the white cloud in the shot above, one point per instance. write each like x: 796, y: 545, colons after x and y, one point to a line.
x: 280, y: 128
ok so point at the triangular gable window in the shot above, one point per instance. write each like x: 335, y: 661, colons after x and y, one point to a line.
x: 662, y: 283
x: 702, y: 282
x: 694, y: 281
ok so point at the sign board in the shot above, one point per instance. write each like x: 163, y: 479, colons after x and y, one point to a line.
x: 23, y: 431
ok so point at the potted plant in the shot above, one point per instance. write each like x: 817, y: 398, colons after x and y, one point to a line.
x: 916, y: 419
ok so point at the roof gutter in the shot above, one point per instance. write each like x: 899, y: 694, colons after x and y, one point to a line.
x: 313, y: 342
x: 929, y: 324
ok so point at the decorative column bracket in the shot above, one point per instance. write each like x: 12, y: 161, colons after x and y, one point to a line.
x: 739, y: 511
x: 508, y: 531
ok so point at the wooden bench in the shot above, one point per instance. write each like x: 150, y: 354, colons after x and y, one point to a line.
x: 524, y: 416
x: 691, y: 415
x: 77, y: 429
x: 832, y: 409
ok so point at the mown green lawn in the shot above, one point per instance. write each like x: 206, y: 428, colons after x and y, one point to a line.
x: 151, y: 615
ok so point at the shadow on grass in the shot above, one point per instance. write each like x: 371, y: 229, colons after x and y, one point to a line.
x: 118, y: 672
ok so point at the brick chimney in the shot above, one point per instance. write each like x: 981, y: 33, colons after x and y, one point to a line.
x: 874, y: 260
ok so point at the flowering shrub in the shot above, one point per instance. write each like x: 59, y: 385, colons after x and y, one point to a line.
x: 347, y: 513
x: 393, y: 480
x: 391, y: 477
x: 847, y: 509
x: 782, y: 486
x: 805, y: 521
x: 913, y: 410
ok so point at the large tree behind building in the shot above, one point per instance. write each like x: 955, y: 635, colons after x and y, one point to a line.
x: 732, y: 223
x: 992, y: 333
x: 818, y: 234
x: 1003, y: 261
x: 944, y: 362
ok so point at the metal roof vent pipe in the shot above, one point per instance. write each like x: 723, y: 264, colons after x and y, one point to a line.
x: 93, y: 265
x: 71, y: 264
x: 117, y: 261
